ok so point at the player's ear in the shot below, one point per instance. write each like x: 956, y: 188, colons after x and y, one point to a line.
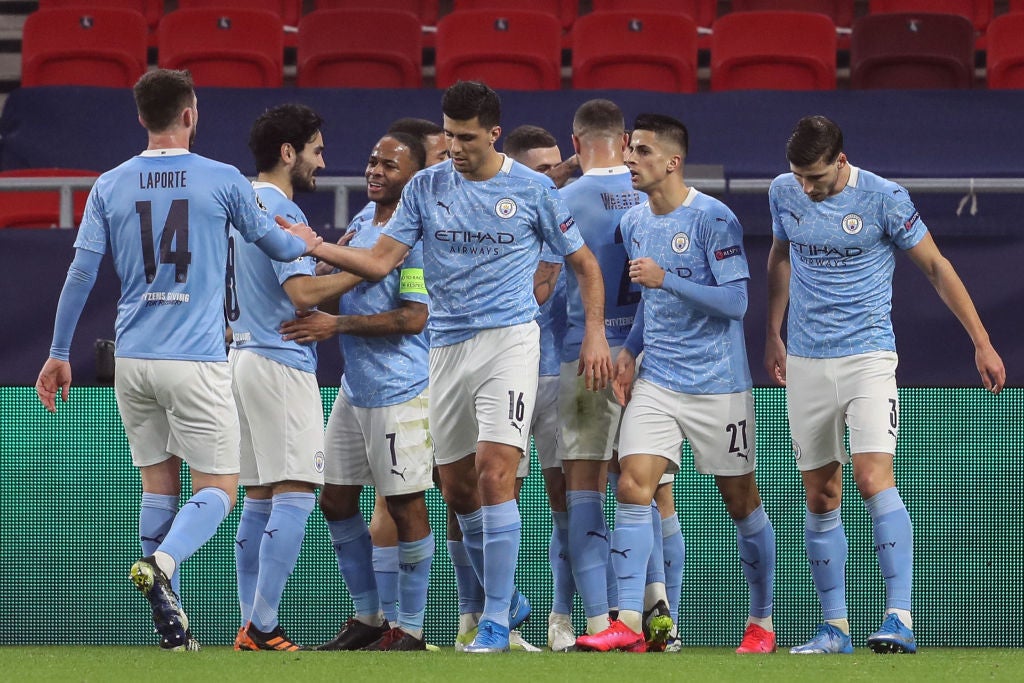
x: 287, y: 152
x: 495, y: 134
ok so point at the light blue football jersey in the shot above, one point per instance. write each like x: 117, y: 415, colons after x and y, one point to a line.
x: 685, y: 349
x: 165, y: 215
x: 551, y: 319
x: 842, y: 253
x: 384, y: 371
x: 256, y: 303
x: 598, y: 201
x: 481, y: 244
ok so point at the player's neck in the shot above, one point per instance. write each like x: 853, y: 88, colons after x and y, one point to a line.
x: 382, y: 213
x: 281, y: 180
x: 489, y: 168
x: 176, y: 139
x: 668, y: 195
x: 601, y: 153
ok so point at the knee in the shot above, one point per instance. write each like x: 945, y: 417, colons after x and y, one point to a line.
x: 632, y: 491
x: 336, y: 505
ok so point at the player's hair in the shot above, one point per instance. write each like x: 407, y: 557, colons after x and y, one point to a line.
x: 665, y: 127
x: 598, y: 117
x: 421, y: 128
x: 162, y: 94
x: 417, y: 151
x: 467, y: 99
x: 814, y: 138
x: 295, y: 124
x: 526, y: 137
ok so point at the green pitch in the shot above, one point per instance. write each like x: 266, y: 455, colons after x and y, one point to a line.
x: 113, y: 664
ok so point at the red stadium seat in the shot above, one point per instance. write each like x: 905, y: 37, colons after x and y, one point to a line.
x: 636, y: 51
x: 74, y: 46
x: 426, y: 10
x: 152, y: 10
x: 226, y: 48
x: 565, y: 10
x: 506, y: 49
x: 978, y: 12
x: 839, y: 11
x: 912, y: 51
x: 1006, y: 52
x: 773, y: 51
x: 290, y: 11
x: 347, y: 49
x: 702, y: 12
x: 40, y: 208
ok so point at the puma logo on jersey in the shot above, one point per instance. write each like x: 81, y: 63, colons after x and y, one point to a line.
x: 446, y: 207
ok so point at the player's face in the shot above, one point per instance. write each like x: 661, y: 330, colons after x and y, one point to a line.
x: 470, y: 144
x: 649, y: 160
x: 307, y: 163
x: 540, y: 159
x: 387, y: 171
x: 821, y: 179
x: 437, y: 149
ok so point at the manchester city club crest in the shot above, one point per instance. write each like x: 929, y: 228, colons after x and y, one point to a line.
x: 318, y: 461
x: 680, y: 242
x: 505, y: 208
x: 797, y: 452
x: 852, y: 223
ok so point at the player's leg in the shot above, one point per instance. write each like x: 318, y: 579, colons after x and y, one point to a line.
x: 673, y: 554
x: 384, y: 535
x: 346, y: 471
x: 650, y: 443
x: 256, y: 508
x: 401, y: 459
x: 589, y: 423
x: 873, y: 418
x: 817, y: 424
x: 282, y: 412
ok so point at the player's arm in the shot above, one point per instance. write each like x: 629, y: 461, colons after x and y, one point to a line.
x: 595, y: 357
x: 289, y: 243
x: 544, y: 280
x: 307, y: 291
x: 310, y: 326
x: 561, y: 172
x: 56, y: 371
x: 372, y: 264
x: 951, y: 290
x: 728, y: 300
x: 625, y: 364
x: 779, y: 269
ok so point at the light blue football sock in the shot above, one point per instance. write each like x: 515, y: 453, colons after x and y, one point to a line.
x: 675, y: 559
x: 827, y: 549
x: 656, y: 563
x: 282, y: 541
x: 894, y: 543
x: 588, y: 549
x: 414, y: 560
x: 630, y: 550
x: 471, y: 592
x: 562, y: 582
x: 502, y: 528
x: 255, y: 513
x: 755, y: 538
x: 354, y: 550
x: 385, y: 567
x: 611, y: 583
x: 155, y: 517
x: 195, y: 524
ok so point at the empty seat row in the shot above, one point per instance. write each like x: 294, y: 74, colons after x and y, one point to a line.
x: 520, y: 49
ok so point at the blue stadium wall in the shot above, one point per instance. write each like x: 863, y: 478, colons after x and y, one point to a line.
x: 69, y: 496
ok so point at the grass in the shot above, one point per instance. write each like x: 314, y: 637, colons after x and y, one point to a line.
x: 113, y: 664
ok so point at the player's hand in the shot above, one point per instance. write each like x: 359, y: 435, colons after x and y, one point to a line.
x: 625, y: 368
x: 302, y: 231
x: 646, y: 273
x: 324, y: 268
x: 991, y: 369
x: 56, y: 374
x: 775, y: 359
x: 595, y: 361
x: 309, y: 327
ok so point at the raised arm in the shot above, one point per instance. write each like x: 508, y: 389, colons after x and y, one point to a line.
x: 409, y: 318
x: 372, y: 264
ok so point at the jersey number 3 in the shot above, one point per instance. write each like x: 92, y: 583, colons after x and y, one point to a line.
x: 173, y: 239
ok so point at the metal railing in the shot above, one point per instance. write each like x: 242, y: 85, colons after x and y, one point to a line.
x: 708, y: 178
